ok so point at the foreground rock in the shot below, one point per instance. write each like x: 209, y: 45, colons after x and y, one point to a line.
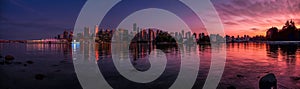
x: 29, y: 62
x: 231, y: 87
x: 9, y: 57
x: 39, y: 76
x: 240, y: 76
x: 295, y: 78
x: 268, y: 81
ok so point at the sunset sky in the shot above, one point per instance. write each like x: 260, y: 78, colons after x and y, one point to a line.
x: 254, y: 17
x: 36, y: 19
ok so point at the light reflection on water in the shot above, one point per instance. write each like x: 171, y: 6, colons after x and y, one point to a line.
x: 250, y: 60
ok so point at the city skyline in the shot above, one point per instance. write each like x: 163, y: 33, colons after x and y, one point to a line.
x: 22, y: 20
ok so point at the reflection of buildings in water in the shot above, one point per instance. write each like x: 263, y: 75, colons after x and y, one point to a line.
x: 190, y: 48
x: 96, y: 52
x: 104, y: 50
x: 202, y: 48
x: 272, y: 50
x: 55, y: 48
x: 246, y: 45
x: 286, y: 51
x: 139, y: 55
x: 85, y: 49
x: 51, y: 47
x: 141, y: 50
x: 289, y: 52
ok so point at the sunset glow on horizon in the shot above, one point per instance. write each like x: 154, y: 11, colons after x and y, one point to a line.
x: 254, y: 17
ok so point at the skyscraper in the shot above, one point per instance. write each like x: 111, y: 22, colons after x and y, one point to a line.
x: 134, y: 27
x: 182, y: 32
x: 188, y: 35
x: 86, y: 32
x: 65, y: 34
x: 96, y: 30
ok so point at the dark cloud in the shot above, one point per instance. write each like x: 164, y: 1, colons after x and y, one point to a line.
x: 254, y: 29
x: 231, y: 23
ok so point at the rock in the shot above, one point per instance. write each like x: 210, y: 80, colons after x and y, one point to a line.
x: 17, y: 62
x: 1, y: 56
x: 240, y: 76
x: 54, y: 65
x: 25, y: 65
x: 268, y: 81
x: 23, y: 70
x: 231, y: 87
x: 9, y: 57
x: 8, y: 61
x: 57, y: 70
x: 63, y: 61
x: 39, y: 76
x: 295, y: 78
x: 29, y: 62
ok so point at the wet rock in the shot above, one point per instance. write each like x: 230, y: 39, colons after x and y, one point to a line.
x: 1, y: 63
x: 8, y: 62
x: 39, y: 76
x: 240, y: 76
x: 23, y: 70
x: 17, y: 62
x: 54, y: 65
x: 63, y: 61
x: 268, y: 81
x: 9, y: 57
x: 295, y: 78
x: 231, y: 87
x: 29, y: 62
x: 57, y: 70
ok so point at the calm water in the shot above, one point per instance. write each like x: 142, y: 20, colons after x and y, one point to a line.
x: 245, y: 64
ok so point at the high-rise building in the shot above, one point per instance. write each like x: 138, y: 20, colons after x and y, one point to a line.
x: 86, y: 32
x: 151, y: 35
x: 138, y: 34
x: 195, y: 36
x: 199, y: 36
x: 182, y: 33
x: 78, y: 36
x: 65, y: 35
x: 96, y: 30
x: 176, y: 35
x: 71, y: 35
x: 202, y: 35
x: 172, y: 34
x: 134, y: 27
x: 188, y: 35
x: 61, y: 36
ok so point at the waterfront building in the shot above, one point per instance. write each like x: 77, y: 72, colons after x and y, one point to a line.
x: 86, y: 32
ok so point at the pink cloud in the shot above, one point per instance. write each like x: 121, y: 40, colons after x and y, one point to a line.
x: 240, y: 16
